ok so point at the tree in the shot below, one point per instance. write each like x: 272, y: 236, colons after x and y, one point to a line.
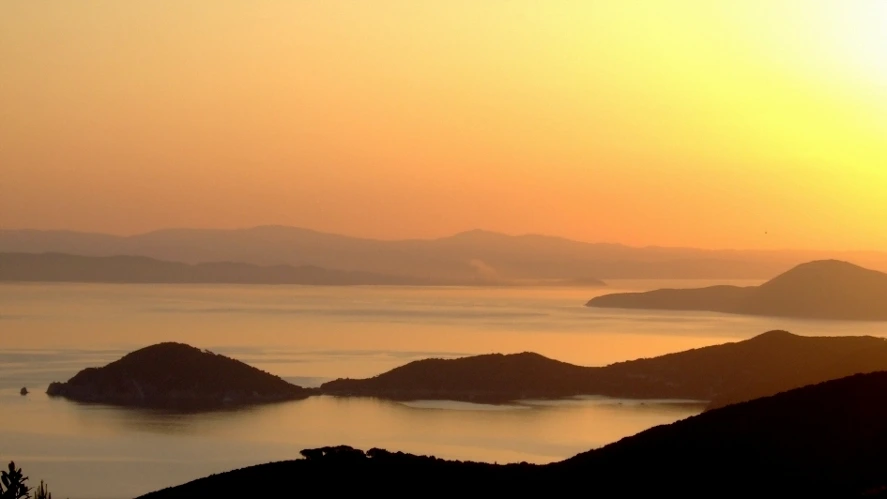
x: 12, y: 484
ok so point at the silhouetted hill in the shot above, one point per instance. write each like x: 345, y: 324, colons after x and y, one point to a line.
x: 824, y: 440
x: 478, y: 257
x: 822, y: 290
x: 54, y: 267
x: 174, y: 375
x: 826, y: 289
x: 764, y: 365
x: 483, y: 378
x: 732, y: 372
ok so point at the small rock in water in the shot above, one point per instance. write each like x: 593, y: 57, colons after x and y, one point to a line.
x: 24, y: 390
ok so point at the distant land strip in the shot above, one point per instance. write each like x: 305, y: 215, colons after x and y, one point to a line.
x: 60, y: 267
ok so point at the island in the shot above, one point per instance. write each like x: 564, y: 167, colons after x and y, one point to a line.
x: 822, y: 440
x: 826, y: 289
x: 721, y: 374
x: 177, y: 376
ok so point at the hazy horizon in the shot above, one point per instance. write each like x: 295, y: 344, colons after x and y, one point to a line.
x: 680, y: 124
x: 449, y: 235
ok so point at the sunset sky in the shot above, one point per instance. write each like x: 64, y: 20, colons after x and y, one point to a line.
x: 732, y: 124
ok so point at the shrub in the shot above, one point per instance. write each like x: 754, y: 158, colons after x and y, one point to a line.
x: 42, y: 491
x: 12, y: 484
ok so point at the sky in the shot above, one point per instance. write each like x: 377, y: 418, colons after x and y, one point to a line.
x: 712, y: 124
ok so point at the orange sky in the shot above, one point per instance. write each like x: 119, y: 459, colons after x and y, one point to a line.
x: 691, y: 123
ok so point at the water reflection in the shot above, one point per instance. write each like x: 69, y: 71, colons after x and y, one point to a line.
x: 48, y: 434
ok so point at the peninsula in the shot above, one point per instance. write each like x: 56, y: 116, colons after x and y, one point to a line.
x: 827, y: 289
x: 732, y: 372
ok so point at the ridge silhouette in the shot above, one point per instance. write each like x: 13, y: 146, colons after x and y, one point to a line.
x: 515, y: 258
x: 763, y: 365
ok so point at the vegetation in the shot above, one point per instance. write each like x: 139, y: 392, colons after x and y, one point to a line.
x: 13, y: 483
x: 42, y: 491
x: 13, y: 486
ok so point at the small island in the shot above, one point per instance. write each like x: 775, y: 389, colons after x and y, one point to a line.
x: 826, y: 289
x: 176, y: 376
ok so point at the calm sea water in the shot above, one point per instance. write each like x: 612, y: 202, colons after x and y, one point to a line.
x: 312, y: 334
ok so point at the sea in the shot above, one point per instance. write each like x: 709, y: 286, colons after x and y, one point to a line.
x: 311, y: 334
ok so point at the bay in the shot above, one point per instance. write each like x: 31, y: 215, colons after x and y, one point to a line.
x: 308, y: 335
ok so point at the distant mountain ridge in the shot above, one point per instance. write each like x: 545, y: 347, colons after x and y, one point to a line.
x: 57, y: 267
x: 477, y: 256
x: 732, y: 372
x: 827, y: 289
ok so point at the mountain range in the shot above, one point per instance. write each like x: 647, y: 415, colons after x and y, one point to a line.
x: 475, y: 256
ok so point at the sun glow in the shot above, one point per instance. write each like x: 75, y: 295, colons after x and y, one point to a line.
x: 680, y: 122
x: 863, y: 38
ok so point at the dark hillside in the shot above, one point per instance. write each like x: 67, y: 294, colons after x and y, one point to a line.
x: 174, y: 375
